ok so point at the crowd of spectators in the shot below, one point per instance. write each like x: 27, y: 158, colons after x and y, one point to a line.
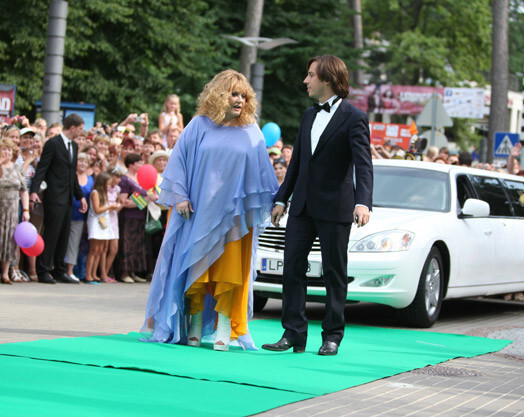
x: 109, y: 242
x: 108, y: 160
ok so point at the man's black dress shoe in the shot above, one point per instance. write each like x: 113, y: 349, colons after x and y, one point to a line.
x: 46, y: 279
x: 328, y: 348
x: 66, y: 279
x: 284, y: 344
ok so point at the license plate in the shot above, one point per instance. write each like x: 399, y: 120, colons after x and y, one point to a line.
x: 276, y: 267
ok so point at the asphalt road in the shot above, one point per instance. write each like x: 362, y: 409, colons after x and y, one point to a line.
x: 490, y: 384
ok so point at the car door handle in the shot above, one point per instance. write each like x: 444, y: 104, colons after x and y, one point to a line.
x: 488, y: 232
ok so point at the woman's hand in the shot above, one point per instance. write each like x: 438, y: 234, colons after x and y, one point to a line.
x: 25, y: 216
x: 152, y: 197
x: 185, y: 209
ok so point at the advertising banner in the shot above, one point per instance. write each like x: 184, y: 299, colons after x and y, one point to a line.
x: 392, y: 99
x: 395, y: 134
x: 464, y: 102
x: 7, y: 102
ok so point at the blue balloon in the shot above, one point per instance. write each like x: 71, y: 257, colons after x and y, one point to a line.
x: 271, y: 133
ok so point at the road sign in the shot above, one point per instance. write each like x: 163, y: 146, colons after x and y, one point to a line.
x: 503, y: 143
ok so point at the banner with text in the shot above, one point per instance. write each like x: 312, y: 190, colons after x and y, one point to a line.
x: 390, y: 133
x: 7, y: 102
x: 392, y: 99
x: 405, y: 99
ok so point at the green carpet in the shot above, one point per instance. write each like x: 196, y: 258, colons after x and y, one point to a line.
x: 179, y: 379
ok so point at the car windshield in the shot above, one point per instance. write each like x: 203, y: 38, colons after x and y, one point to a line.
x: 410, y: 188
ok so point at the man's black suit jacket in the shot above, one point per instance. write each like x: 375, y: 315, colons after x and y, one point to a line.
x: 324, y: 180
x: 59, y: 172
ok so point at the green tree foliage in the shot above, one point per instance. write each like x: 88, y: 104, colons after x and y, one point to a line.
x: 320, y: 27
x: 22, y: 49
x: 516, y: 39
x: 123, y: 55
x: 128, y: 55
x: 419, y: 41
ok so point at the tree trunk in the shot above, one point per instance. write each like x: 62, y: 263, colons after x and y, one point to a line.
x: 248, y: 54
x: 498, y: 113
x: 358, y: 42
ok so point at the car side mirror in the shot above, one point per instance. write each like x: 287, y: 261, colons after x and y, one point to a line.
x: 474, y: 208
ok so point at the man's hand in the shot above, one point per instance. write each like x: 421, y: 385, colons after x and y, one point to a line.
x: 83, y: 205
x: 33, y: 198
x: 361, y: 215
x: 185, y: 209
x: 276, y: 214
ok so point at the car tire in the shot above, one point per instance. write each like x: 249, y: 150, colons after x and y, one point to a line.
x: 425, y: 308
x: 259, y: 303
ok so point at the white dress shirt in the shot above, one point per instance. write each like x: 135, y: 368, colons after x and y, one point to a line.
x: 67, y: 141
x: 321, y: 121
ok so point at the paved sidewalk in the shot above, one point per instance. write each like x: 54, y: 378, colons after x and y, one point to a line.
x: 486, y: 385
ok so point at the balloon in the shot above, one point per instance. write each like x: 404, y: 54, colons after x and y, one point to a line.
x: 271, y: 133
x: 25, y: 235
x: 36, y: 249
x: 146, y: 176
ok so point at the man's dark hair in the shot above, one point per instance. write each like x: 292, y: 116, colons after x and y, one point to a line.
x: 333, y: 70
x: 73, y: 120
x: 465, y: 158
x: 131, y: 159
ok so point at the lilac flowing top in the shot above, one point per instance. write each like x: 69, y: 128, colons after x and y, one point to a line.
x: 226, y: 174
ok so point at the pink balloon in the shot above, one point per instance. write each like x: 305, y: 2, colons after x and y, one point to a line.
x: 25, y: 235
x: 36, y: 249
x: 146, y: 176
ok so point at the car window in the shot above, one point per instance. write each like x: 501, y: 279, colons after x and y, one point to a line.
x: 492, y: 192
x: 464, y: 190
x: 410, y: 188
x: 515, y: 191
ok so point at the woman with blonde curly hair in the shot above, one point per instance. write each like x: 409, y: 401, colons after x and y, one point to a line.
x: 221, y: 184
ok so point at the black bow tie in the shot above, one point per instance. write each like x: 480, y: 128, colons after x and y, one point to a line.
x: 318, y: 107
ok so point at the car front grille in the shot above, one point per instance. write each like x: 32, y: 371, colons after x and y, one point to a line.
x: 277, y: 279
x: 274, y: 238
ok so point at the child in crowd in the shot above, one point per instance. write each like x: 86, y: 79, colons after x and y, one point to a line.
x: 113, y: 191
x: 99, y: 227
x: 170, y: 116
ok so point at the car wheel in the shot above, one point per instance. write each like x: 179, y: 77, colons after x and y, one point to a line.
x: 425, y: 308
x: 259, y: 303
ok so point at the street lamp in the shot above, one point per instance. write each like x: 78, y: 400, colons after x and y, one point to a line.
x: 257, y: 68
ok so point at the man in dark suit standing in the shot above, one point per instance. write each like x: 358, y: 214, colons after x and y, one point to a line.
x: 57, y: 167
x: 332, y: 147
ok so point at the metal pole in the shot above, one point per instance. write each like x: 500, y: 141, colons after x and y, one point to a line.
x: 257, y: 81
x: 248, y: 54
x: 433, y: 118
x: 54, y: 61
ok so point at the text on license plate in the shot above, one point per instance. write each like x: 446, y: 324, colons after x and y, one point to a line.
x: 276, y: 267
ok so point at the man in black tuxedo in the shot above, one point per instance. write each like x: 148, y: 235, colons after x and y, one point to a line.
x: 332, y: 147
x: 57, y: 167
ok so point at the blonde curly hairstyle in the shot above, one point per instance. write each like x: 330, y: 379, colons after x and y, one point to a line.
x: 213, y: 100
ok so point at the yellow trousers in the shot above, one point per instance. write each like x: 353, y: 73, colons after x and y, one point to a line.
x: 227, y: 280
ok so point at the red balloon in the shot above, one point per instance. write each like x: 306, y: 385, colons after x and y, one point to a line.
x: 146, y: 176
x: 36, y: 249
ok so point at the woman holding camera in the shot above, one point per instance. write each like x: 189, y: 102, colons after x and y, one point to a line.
x: 221, y: 184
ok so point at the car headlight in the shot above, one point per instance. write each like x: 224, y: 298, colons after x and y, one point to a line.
x: 390, y: 241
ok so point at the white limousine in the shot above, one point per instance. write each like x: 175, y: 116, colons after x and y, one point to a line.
x: 436, y: 232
